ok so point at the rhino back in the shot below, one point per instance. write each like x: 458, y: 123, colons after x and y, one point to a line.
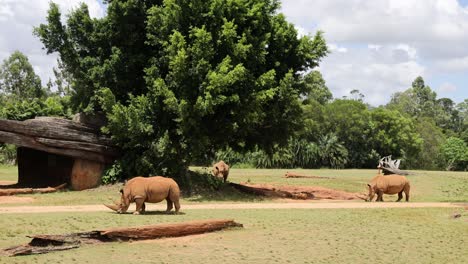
x: 158, y: 188
x: 390, y: 184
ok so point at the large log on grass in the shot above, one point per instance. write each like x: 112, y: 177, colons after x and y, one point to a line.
x: 297, y: 175
x: 13, y: 191
x: 272, y: 192
x: 48, y: 243
x: 297, y: 192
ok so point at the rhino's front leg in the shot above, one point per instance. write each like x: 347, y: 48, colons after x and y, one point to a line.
x: 140, y: 206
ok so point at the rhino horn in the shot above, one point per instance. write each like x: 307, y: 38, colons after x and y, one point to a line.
x: 112, y: 207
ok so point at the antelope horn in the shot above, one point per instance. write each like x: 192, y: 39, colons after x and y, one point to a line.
x: 112, y: 207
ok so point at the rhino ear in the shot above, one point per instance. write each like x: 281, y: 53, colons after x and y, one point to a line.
x: 369, y: 185
x: 121, y: 191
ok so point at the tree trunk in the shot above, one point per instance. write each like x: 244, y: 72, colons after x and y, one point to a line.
x: 49, y: 243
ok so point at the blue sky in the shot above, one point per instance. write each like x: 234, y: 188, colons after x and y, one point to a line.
x: 378, y: 46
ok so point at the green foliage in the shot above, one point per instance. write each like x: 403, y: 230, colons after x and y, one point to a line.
x: 180, y: 80
x: 432, y: 136
x: 112, y: 174
x: 7, y: 154
x: 18, y: 79
x: 394, y: 134
x: 29, y: 108
x: 455, y: 151
x: 315, y: 88
x: 350, y: 121
x: 332, y: 152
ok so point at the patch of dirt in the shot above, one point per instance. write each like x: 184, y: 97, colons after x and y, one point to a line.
x: 7, y: 183
x: 301, y: 192
x: 323, y: 204
x: 15, y: 199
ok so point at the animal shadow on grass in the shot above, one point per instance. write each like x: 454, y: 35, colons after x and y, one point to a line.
x: 151, y: 213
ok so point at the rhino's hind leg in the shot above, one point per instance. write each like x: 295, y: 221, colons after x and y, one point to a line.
x: 406, y: 190
x: 400, y: 196
x: 177, y: 205
x: 169, y: 205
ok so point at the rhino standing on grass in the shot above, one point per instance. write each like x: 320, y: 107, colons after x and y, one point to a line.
x: 151, y: 190
x: 221, y: 169
x: 388, y: 184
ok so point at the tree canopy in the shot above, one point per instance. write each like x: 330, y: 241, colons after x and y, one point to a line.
x: 18, y: 79
x: 182, y: 79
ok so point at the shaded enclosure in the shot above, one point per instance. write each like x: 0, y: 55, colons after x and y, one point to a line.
x: 52, y: 151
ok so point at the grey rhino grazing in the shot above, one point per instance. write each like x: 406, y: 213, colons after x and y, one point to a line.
x: 221, y: 169
x: 148, y: 189
x: 388, y: 184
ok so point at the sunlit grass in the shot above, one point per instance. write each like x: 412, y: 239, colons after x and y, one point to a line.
x: 8, y: 173
x: 269, y: 236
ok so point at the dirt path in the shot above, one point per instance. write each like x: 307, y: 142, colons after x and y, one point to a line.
x: 218, y: 206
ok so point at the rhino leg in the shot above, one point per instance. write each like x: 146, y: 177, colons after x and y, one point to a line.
x: 400, y: 196
x: 139, y: 205
x: 406, y: 190
x: 177, y: 205
x: 379, y: 196
x: 143, y: 208
x: 169, y: 204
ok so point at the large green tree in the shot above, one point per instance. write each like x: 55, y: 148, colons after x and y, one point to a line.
x: 417, y: 101
x: 350, y: 121
x: 18, y: 79
x: 179, y: 79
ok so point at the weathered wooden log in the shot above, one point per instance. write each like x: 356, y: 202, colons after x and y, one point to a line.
x: 67, y: 144
x: 296, y: 175
x: 272, y: 192
x: 54, y: 130
x: 296, y: 192
x: 48, y: 243
x: 13, y: 191
x: 30, y: 142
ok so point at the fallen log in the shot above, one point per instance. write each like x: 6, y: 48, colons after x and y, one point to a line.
x: 297, y: 192
x: 48, y: 243
x: 272, y: 192
x: 13, y: 191
x: 296, y: 175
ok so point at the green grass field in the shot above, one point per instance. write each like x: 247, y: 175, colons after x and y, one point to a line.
x: 426, y: 186
x: 409, y: 235
x: 269, y: 236
x: 8, y: 173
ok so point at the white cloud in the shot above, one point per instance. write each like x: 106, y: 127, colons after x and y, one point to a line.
x: 334, y: 47
x: 453, y: 65
x: 374, y: 47
x: 388, y: 43
x: 377, y: 77
x: 17, y: 20
x: 447, y: 87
